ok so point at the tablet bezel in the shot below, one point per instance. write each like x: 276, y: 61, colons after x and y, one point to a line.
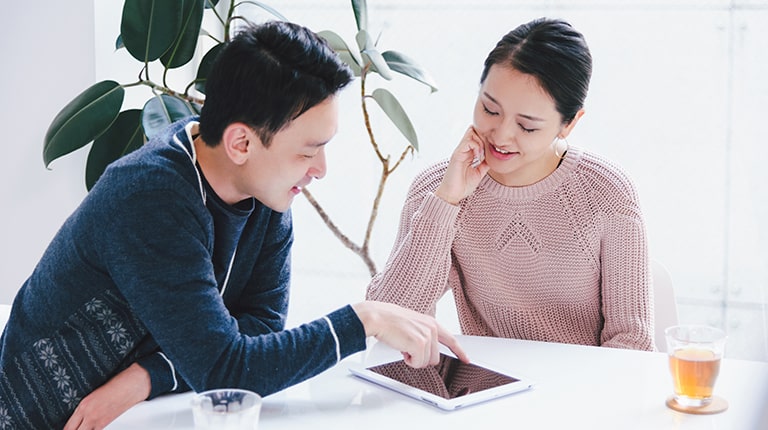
x: 521, y: 384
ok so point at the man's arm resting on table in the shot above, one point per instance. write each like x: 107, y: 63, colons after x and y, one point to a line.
x: 106, y: 403
x: 417, y: 335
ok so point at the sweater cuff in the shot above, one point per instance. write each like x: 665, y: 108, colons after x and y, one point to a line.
x: 162, y: 374
x: 438, y: 210
x: 349, y: 330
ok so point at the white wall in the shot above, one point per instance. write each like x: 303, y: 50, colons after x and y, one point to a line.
x: 47, y: 54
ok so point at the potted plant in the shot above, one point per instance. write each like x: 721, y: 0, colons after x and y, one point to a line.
x: 165, y: 35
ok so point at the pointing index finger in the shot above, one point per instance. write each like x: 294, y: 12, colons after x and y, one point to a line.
x: 447, y: 339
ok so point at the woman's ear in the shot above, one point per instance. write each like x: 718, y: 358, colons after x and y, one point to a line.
x: 238, y: 142
x: 569, y: 127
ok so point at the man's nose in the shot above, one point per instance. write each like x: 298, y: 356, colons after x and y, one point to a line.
x: 319, y: 166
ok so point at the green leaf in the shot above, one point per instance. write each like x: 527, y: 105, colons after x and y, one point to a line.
x: 83, y: 119
x: 149, y: 27
x: 161, y: 111
x: 183, y: 49
x: 396, y: 114
x: 266, y: 7
x: 347, y: 55
x: 380, y: 66
x: 210, y: 4
x: 123, y: 136
x: 205, y: 67
x: 360, y: 7
x: 119, y: 43
x: 371, y: 55
x: 364, y: 40
x: 403, y: 64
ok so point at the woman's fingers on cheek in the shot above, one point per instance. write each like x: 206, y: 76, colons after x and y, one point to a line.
x: 470, y: 136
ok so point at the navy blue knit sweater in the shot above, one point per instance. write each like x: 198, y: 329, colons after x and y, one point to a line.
x: 132, y: 276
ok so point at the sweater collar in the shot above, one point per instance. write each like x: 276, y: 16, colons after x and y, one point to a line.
x: 531, y: 192
x: 184, y: 140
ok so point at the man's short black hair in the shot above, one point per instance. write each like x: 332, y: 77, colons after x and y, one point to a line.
x: 266, y: 76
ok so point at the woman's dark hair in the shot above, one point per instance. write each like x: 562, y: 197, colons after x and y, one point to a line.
x: 555, y: 53
x: 266, y: 76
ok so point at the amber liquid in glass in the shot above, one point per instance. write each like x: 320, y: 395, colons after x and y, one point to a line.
x: 694, y: 372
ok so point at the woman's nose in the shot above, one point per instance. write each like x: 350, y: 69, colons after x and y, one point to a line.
x: 505, y: 132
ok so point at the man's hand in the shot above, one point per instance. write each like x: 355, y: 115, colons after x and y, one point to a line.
x: 416, y: 335
x: 107, y: 402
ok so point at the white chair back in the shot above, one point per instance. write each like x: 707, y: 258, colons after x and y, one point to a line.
x: 665, y: 307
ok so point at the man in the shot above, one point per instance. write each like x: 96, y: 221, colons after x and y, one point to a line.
x: 173, y: 273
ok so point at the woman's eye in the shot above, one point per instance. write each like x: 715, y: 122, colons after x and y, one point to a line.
x: 527, y: 130
x: 489, y: 112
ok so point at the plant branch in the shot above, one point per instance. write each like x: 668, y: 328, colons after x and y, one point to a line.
x: 166, y: 90
x: 364, y: 250
x: 228, y: 23
x: 375, y: 208
x: 406, y: 151
x: 216, y: 13
x: 144, y: 71
x: 165, y: 77
x: 212, y: 38
x: 367, y: 118
x: 241, y: 18
x: 345, y: 240
x: 189, y: 87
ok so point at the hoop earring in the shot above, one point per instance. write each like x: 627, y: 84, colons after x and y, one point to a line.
x: 560, y: 146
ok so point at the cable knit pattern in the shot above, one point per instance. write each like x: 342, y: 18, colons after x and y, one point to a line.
x: 562, y: 260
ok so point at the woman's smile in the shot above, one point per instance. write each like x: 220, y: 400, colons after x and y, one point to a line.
x: 502, y: 154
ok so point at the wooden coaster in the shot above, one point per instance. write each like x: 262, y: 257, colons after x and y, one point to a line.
x: 717, y: 405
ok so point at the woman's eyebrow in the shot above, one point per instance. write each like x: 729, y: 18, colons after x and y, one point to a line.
x: 528, y: 117
x: 489, y: 97
x: 532, y: 118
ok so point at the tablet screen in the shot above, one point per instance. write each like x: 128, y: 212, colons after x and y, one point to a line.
x: 450, y: 378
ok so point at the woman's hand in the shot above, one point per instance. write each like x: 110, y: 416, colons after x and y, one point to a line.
x: 465, y: 169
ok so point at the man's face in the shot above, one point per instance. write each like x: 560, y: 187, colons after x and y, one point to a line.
x: 276, y: 174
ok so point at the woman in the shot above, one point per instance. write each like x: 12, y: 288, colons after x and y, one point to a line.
x: 536, y: 239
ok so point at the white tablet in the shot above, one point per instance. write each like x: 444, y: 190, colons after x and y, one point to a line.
x: 449, y: 385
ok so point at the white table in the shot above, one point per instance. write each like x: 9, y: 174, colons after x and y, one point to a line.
x: 578, y: 387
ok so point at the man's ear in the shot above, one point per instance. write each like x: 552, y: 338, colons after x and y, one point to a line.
x: 568, y: 128
x: 238, y: 141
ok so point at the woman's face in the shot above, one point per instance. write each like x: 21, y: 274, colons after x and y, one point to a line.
x: 518, y: 122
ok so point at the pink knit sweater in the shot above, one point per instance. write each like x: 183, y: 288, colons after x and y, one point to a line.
x: 562, y: 260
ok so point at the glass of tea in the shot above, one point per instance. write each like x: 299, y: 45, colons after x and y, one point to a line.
x: 695, y: 352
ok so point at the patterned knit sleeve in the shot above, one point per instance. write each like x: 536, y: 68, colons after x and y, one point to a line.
x: 416, y: 274
x: 626, y: 286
